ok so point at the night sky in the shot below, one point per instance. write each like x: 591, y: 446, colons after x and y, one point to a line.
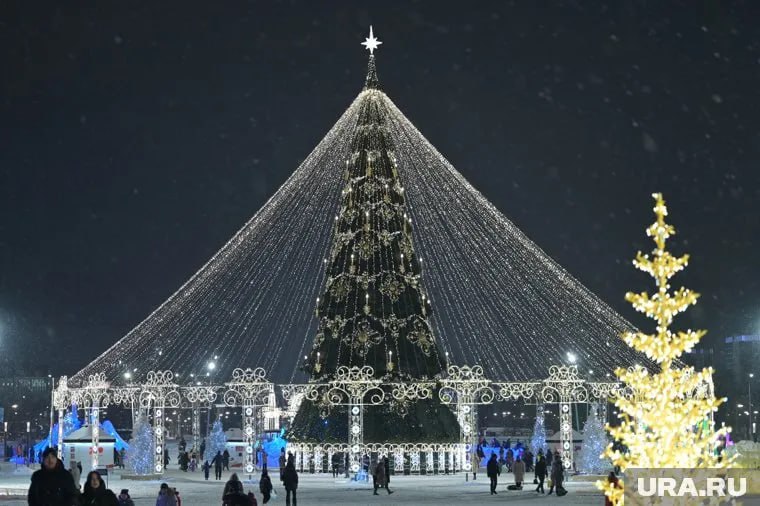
x: 137, y: 137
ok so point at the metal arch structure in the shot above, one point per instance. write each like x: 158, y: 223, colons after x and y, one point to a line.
x: 248, y: 389
x: 463, y: 388
x: 354, y: 387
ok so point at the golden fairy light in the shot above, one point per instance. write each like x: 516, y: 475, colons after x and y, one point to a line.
x: 666, y: 420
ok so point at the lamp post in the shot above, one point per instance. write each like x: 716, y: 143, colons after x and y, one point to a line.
x: 751, y: 431
x: 28, y: 453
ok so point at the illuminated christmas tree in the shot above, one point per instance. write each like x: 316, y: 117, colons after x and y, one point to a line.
x: 590, y: 458
x: 140, y: 452
x: 217, y: 440
x: 374, y: 310
x: 662, y: 420
x: 538, y: 440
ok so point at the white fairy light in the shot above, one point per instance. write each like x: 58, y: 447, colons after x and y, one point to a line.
x: 253, y: 301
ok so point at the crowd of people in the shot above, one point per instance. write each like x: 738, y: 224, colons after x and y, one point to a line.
x: 53, y: 485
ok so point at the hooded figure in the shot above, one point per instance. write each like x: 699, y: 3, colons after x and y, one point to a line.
x: 52, y: 485
x: 265, y: 485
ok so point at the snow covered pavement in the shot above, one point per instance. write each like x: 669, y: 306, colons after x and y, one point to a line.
x: 323, y: 490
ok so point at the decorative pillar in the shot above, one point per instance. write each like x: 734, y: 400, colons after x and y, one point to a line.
x: 429, y: 467
x: 61, y: 398
x: 61, y: 416
x: 95, y: 433
x: 159, y: 393
x: 565, y: 387
x: 196, y: 426
x: 158, y: 435
x: 465, y: 388
x: 356, y: 432
x: 566, y: 434
x: 248, y: 389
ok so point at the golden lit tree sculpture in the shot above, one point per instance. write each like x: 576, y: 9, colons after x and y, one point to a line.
x: 665, y: 420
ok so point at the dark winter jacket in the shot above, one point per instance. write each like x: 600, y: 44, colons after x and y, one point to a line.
x: 125, y: 500
x: 265, y: 485
x: 290, y: 477
x: 541, y: 468
x: 557, y: 471
x: 492, y: 468
x: 100, y: 496
x: 52, y: 488
x: 236, y: 499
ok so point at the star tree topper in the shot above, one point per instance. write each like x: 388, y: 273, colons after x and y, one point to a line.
x: 371, y: 42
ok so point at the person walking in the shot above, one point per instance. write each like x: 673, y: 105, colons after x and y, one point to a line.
x: 76, y: 473
x: 52, y: 485
x: 493, y: 471
x: 281, y: 463
x: 218, y: 465
x: 166, y: 496
x: 226, y: 459
x: 380, y: 477
x: 206, y: 469
x: 203, y: 448
x: 265, y: 485
x: 125, y: 499
x: 557, y: 475
x: 290, y: 480
x: 540, y: 473
x: 234, y: 494
x: 518, y: 468
x: 96, y: 493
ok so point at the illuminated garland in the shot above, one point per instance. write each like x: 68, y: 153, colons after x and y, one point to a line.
x: 253, y: 303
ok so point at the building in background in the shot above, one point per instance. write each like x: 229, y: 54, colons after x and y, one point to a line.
x: 734, y: 360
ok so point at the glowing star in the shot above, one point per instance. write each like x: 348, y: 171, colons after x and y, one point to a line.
x: 371, y: 42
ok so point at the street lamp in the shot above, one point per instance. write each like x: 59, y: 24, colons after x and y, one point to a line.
x: 749, y: 389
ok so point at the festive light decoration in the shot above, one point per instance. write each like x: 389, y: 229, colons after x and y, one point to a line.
x: 492, y: 288
x: 141, y: 446
x: 662, y: 420
x: 594, y: 443
x: 216, y: 441
x: 538, y: 439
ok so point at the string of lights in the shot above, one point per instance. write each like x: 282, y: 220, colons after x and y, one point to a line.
x: 497, y: 299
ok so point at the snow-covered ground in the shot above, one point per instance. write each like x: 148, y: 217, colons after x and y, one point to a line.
x: 314, y: 490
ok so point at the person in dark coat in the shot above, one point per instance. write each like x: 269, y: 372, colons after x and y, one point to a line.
x: 557, y: 474
x: 493, y: 471
x: 380, y: 477
x: 52, y: 485
x: 387, y: 466
x: 290, y: 480
x: 265, y: 485
x: 226, y: 459
x: 335, y: 461
x: 218, y: 462
x: 125, y: 499
x: 96, y: 493
x: 541, y: 472
x: 234, y: 494
x: 206, y: 469
x: 203, y: 448
x: 281, y: 461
